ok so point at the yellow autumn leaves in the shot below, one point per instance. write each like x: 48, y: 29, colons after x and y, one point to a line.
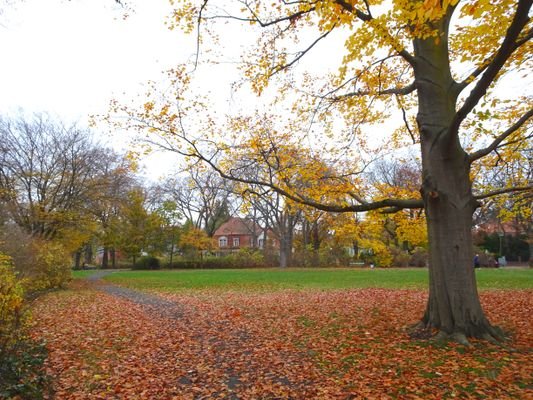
x: 11, y: 300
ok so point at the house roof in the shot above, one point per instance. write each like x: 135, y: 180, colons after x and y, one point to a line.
x: 237, y: 226
x: 496, y: 226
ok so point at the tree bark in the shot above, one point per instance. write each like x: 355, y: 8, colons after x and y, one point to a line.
x: 286, y: 223
x: 105, y: 258
x: 113, y: 257
x: 88, y: 253
x: 453, y: 305
x: 171, y: 255
x: 316, y: 245
x: 77, y: 259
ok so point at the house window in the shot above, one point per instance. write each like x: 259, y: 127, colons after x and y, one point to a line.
x: 261, y: 243
x: 223, y: 242
x: 236, y: 242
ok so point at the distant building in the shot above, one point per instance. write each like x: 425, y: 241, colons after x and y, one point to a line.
x: 239, y: 233
x: 494, y: 226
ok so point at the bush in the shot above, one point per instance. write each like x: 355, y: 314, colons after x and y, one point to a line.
x: 39, y: 264
x: 419, y: 258
x: 400, y: 258
x: 22, y: 373
x: 52, y: 268
x: 244, y: 258
x: 11, y: 300
x: 147, y: 262
x: 248, y: 258
x: 21, y: 359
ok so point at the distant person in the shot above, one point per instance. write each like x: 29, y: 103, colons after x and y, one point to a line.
x: 476, y: 261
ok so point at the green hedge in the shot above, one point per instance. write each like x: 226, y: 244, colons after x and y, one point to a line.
x: 147, y: 262
x: 243, y: 259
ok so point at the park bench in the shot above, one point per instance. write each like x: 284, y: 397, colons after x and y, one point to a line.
x: 357, y: 264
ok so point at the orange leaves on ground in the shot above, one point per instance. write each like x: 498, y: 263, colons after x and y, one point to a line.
x: 291, y: 344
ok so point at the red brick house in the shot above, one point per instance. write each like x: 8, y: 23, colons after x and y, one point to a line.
x: 239, y: 233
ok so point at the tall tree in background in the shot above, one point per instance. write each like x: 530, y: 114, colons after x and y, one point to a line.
x: 438, y: 64
x: 137, y: 227
x: 115, y: 181
x: 170, y: 228
x: 48, y: 174
x: 201, y: 196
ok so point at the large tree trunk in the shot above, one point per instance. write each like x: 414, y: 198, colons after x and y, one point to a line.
x: 453, y: 306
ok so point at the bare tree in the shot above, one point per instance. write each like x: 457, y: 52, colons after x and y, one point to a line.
x: 202, y: 197
x: 48, y: 172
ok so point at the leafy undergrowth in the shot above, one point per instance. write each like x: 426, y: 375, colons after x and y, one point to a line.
x: 284, y: 345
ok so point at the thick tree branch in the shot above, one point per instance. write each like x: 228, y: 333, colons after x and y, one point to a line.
x: 502, y: 55
x: 479, y: 70
x: 496, y: 143
x: 401, y: 91
x: 193, y: 151
x: 367, y: 17
x: 398, y: 203
x: 503, y: 191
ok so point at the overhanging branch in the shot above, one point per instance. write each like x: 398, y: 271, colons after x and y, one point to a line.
x: 497, y: 142
x: 366, y: 17
x: 400, y: 91
x: 479, y: 70
x: 507, y: 47
x: 503, y: 191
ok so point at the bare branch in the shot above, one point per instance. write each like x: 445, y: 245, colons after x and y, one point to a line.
x: 198, y: 27
x: 404, y: 116
x: 264, y: 24
x: 497, y: 142
x: 300, y: 54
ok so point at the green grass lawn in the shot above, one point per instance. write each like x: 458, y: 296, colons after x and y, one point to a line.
x: 276, y: 279
x: 82, y: 274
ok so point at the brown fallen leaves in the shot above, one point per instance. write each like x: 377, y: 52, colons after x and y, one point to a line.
x: 283, y: 345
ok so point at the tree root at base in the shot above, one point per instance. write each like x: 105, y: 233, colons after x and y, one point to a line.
x: 424, y: 331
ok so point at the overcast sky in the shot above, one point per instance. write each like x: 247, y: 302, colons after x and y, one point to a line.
x: 72, y: 57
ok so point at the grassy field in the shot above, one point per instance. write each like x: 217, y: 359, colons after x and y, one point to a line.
x: 276, y: 279
x: 82, y: 274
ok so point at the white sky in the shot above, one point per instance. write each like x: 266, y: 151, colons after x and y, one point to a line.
x: 71, y: 57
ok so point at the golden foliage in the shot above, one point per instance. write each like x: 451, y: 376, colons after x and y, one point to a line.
x: 52, y: 266
x: 11, y: 302
x: 196, y: 239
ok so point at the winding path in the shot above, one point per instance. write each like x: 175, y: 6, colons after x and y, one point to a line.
x: 153, y: 303
x: 209, y: 345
